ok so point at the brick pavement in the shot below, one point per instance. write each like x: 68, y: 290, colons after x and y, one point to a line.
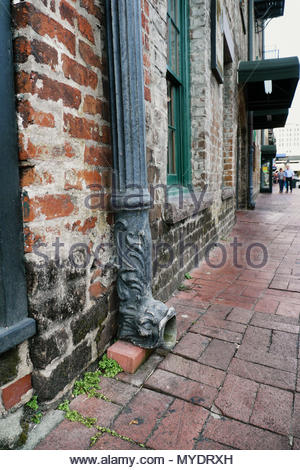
x: 233, y: 379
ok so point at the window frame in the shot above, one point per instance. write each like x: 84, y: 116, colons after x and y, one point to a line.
x: 181, y: 84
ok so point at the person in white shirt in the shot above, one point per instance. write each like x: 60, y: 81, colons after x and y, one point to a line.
x: 289, y: 175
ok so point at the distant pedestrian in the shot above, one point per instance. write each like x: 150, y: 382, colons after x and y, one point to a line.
x: 289, y: 175
x: 281, y: 179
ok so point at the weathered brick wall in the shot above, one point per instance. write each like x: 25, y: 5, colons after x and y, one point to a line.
x: 65, y: 177
x: 229, y: 127
x: 214, y: 106
x: 200, y: 91
x: 178, y: 248
x: 65, y: 154
x: 65, y: 160
x: 155, y: 60
x: 218, y: 123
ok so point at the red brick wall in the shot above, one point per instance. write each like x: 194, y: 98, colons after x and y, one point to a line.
x: 65, y: 155
x: 63, y: 119
x: 63, y: 111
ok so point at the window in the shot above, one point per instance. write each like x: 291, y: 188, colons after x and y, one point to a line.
x: 178, y: 93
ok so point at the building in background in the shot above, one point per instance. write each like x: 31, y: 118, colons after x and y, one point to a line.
x: 193, y: 105
x: 288, y: 146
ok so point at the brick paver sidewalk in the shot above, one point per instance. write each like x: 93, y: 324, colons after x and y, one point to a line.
x: 232, y: 380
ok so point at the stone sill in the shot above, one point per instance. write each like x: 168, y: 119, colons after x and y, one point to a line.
x: 13, y: 335
x: 173, y: 213
x: 227, y: 193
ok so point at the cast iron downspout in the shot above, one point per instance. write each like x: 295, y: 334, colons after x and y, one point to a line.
x: 142, y: 320
x: 251, y: 203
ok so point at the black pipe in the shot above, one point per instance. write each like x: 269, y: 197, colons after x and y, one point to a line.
x: 251, y: 203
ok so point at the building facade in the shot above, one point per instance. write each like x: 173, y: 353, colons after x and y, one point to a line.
x: 202, y: 163
x: 288, y: 146
x: 288, y: 140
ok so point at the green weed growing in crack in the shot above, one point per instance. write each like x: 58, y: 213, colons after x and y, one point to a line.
x: 75, y: 416
x: 33, y: 405
x: 102, y: 430
x: 89, y: 386
x: 109, y: 367
x: 37, y: 417
x: 188, y: 276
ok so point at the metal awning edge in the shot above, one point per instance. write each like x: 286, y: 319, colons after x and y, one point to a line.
x: 268, y: 150
x: 285, y: 68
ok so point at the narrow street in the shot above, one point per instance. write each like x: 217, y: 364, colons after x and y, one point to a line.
x: 232, y: 381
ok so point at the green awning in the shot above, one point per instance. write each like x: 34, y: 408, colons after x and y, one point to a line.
x: 284, y: 75
x: 265, y: 9
x: 268, y: 151
x: 270, y: 119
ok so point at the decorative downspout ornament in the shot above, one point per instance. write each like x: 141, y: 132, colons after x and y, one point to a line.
x: 143, y: 320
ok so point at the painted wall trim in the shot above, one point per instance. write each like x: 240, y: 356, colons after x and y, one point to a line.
x: 13, y: 292
x: 16, y: 334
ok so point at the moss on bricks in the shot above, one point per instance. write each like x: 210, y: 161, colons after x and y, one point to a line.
x: 9, y: 366
x: 48, y: 387
x: 89, y: 321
